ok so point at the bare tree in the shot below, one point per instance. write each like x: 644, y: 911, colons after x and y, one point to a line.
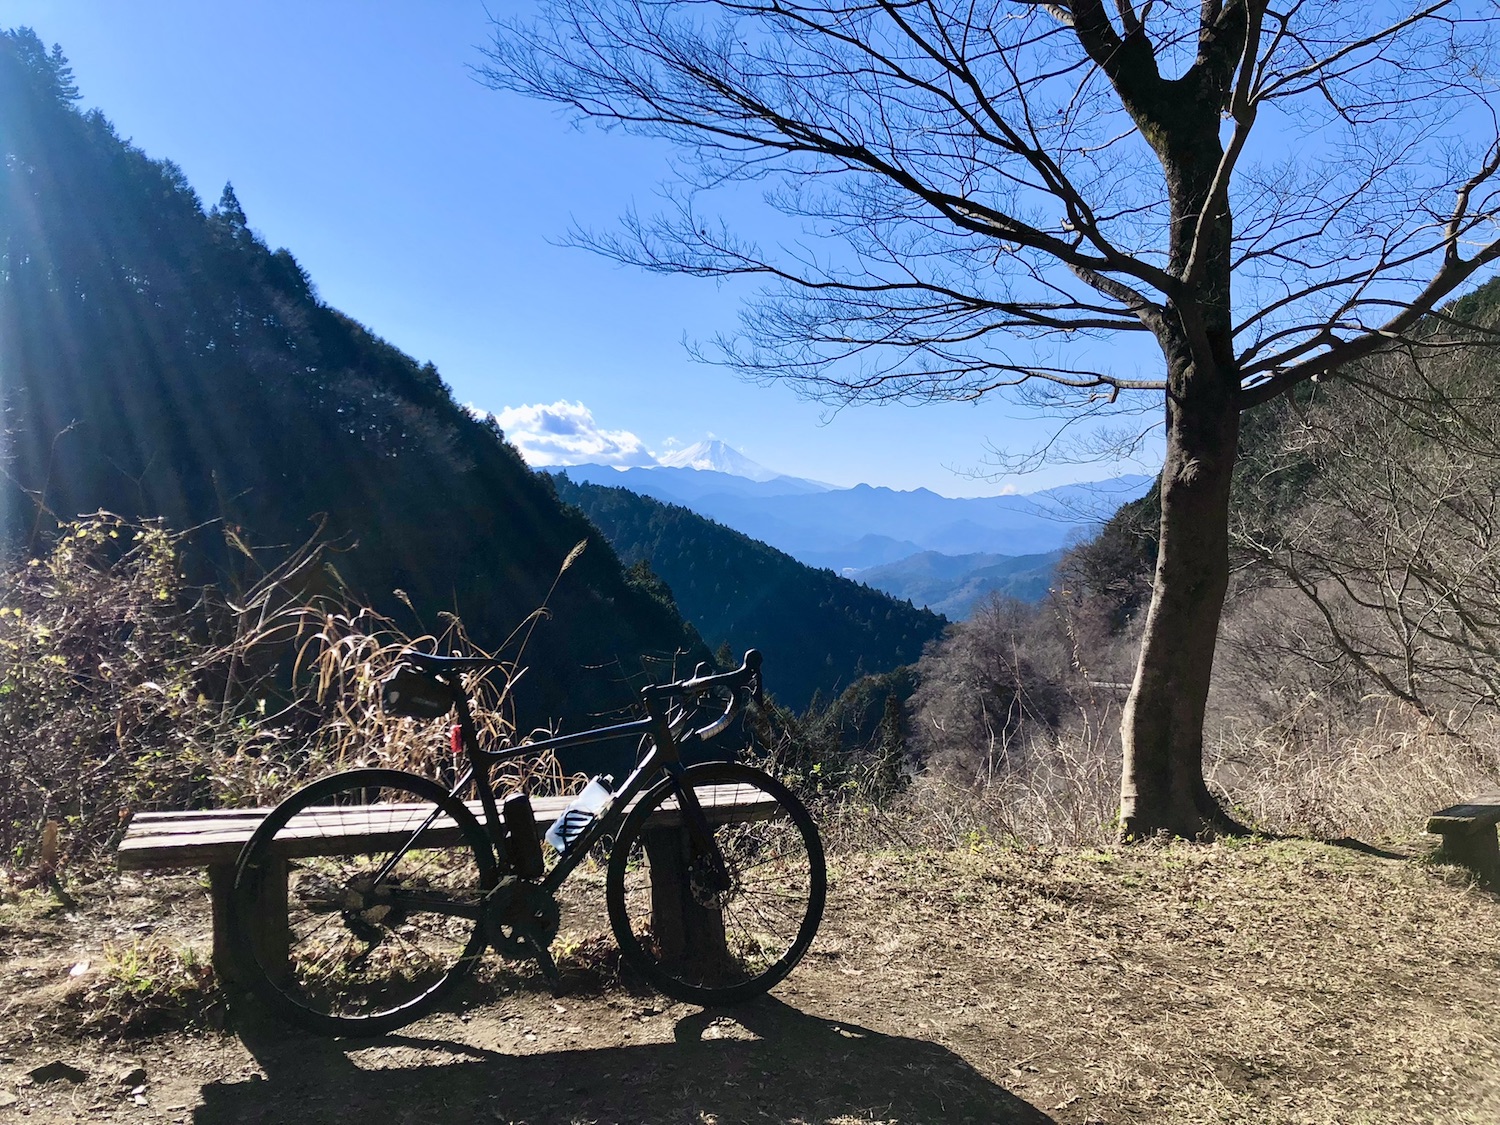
x: 988, y: 687
x: 1393, y: 542
x: 996, y: 188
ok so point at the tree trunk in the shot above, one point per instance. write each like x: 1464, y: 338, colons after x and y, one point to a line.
x: 1162, y: 787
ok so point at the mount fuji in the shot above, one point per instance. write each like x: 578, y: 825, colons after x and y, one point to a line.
x: 714, y: 456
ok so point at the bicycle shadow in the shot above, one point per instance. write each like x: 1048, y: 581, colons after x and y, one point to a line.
x: 767, y: 1061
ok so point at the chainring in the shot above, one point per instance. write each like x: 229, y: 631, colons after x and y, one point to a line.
x: 520, y: 919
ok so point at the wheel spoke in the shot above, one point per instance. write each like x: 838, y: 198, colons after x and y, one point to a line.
x: 361, y: 956
x: 767, y: 914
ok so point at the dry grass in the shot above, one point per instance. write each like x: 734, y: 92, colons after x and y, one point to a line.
x: 1063, y: 792
x: 1308, y: 775
x: 342, y: 658
x: 1269, y: 982
x: 1376, y: 781
x: 122, y: 689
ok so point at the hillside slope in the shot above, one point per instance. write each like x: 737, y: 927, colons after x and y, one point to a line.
x: 160, y: 360
x: 818, y: 631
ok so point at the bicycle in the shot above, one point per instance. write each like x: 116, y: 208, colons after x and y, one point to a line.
x: 377, y: 938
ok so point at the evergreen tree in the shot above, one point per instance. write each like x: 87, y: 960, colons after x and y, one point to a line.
x: 230, y: 216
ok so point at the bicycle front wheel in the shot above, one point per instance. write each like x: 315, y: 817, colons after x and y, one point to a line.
x: 383, y: 874
x: 708, y: 934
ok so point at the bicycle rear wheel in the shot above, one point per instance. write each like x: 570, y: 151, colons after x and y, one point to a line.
x: 708, y: 937
x: 384, y: 875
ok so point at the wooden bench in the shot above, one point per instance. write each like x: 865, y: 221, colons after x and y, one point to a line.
x: 157, y: 841
x: 1468, y: 833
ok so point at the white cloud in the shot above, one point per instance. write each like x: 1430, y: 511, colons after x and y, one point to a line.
x: 565, y: 433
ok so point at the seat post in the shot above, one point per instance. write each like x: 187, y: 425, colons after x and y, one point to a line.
x: 477, y: 761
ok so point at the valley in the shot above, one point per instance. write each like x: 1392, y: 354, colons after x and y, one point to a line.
x: 932, y: 550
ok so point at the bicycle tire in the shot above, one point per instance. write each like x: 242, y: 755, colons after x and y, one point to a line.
x: 768, y: 914
x: 360, y: 958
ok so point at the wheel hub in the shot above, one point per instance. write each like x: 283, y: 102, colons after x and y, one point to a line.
x: 368, y: 909
x: 708, y: 887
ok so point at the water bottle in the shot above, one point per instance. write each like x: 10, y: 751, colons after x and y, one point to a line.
x: 580, y: 813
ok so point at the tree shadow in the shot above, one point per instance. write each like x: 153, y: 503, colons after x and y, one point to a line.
x: 1349, y: 843
x: 766, y: 1062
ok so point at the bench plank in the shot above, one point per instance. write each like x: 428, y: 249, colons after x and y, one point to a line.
x: 214, y: 837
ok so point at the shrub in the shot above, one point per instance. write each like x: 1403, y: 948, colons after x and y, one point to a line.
x: 124, y: 689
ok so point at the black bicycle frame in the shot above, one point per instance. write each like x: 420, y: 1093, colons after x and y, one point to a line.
x: 664, y: 754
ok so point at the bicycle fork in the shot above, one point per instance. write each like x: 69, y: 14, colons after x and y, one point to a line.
x: 700, y: 832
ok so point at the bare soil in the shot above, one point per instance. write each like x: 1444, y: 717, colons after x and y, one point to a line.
x: 1261, y: 982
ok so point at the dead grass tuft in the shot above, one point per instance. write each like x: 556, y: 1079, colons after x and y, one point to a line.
x: 1376, y: 781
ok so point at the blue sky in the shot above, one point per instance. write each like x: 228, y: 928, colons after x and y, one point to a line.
x: 429, y: 208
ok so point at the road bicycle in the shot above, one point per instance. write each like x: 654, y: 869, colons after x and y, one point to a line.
x: 394, y: 888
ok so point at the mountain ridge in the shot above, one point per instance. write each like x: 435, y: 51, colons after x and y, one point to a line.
x: 954, y: 584
x: 819, y: 631
x: 830, y: 527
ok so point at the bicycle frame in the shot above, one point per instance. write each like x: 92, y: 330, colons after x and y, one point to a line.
x: 664, y: 754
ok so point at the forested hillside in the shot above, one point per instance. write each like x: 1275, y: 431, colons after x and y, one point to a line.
x: 819, y: 631
x: 954, y: 584
x: 161, y: 360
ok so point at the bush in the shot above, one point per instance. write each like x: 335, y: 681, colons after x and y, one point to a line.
x: 123, y: 689
x: 100, y: 705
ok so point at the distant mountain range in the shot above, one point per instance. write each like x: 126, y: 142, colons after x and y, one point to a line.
x: 953, y: 584
x: 852, y: 529
x: 819, y: 632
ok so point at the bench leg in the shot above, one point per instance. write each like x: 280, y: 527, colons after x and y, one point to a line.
x: 687, y: 933
x: 1477, y: 849
x: 268, y: 922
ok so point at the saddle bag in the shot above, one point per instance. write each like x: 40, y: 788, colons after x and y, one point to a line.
x: 415, y: 695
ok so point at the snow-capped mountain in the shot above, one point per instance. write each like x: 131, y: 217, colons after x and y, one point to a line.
x: 715, y: 456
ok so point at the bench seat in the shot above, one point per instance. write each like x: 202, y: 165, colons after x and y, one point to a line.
x: 157, y: 841
x: 1469, y: 834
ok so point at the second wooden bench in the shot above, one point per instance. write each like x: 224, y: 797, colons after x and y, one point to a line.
x: 1468, y: 833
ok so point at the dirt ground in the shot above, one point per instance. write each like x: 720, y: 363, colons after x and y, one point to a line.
x: 1259, y: 982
